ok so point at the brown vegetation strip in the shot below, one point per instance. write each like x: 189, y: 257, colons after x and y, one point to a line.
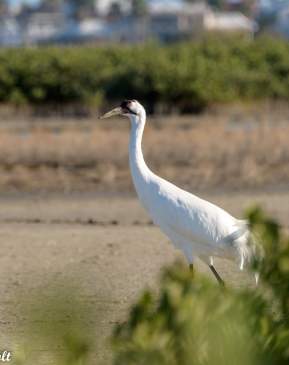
x: 203, y: 152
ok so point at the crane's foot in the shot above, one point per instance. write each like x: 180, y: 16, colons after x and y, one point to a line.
x: 217, y: 276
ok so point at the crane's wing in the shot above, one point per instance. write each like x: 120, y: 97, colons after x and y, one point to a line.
x: 195, y: 219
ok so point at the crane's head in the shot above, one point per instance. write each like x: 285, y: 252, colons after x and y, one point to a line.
x: 127, y: 108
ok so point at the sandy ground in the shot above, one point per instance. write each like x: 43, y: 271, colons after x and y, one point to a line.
x: 105, y: 245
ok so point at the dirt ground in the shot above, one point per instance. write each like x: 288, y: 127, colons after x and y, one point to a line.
x: 104, y: 245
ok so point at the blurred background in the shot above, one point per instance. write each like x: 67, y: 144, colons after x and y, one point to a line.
x: 32, y: 22
x: 214, y: 78
x: 205, y: 70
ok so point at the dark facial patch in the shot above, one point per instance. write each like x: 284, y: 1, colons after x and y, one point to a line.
x: 125, y: 106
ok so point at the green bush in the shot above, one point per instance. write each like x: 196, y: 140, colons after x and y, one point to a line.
x: 187, y: 77
x: 195, y: 322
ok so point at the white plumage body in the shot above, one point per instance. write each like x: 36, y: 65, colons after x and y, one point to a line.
x: 195, y: 226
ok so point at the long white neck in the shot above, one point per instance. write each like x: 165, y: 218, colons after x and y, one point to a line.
x: 139, y: 170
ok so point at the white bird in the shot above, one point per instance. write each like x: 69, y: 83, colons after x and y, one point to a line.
x: 195, y: 226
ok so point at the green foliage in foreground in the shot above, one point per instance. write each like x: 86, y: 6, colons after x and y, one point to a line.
x: 186, y: 76
x: 194, y: 322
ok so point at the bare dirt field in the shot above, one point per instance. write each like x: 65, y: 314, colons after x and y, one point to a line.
x: 104, y: 245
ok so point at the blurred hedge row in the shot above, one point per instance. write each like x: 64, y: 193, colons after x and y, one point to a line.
x: 186, y: 77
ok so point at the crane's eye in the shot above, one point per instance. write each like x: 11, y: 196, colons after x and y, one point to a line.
x: 126, y: 107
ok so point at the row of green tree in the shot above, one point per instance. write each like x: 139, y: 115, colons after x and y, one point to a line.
x: 185, y: 77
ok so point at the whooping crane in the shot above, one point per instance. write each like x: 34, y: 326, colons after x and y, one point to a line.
x: 195, y: 226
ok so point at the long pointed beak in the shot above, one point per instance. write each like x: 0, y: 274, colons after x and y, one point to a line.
x: 115, y: 111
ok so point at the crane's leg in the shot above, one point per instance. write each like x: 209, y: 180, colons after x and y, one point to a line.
x: 192, y: 268
x: 217, y: 276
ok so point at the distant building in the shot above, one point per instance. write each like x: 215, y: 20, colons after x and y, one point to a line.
x: 175, y: 20
x: 229, y: 22
x: 114, y: 21
x: 172, y: 21
x: 87, y: 30
x: 9, y: 32
x: 39, y: 23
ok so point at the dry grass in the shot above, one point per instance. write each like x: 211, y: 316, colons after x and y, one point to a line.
x: 195, y: 152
